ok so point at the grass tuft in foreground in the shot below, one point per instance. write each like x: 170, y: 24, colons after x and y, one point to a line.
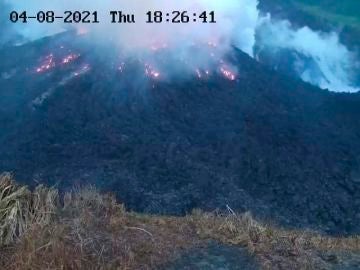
x: 87, y: 230
x: 20, y: 209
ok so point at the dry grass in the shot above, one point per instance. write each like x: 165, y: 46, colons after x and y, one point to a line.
x: 274, y: 247
x: 89, y: 230
x: 20, y: 208
x: 92, y: 231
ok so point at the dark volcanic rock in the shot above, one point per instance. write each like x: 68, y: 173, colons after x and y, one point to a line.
x: 267, y: 143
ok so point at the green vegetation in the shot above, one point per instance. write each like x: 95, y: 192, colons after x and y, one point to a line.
x: 339, y: 12
x: 87, y: 230
x: 347, y: 7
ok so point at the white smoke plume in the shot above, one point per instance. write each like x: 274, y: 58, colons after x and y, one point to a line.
x: 238, y: 21
x: 335, y: 65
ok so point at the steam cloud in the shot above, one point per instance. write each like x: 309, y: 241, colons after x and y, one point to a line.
x: 333, y: 67
x: 238, y: 21
x: 7, y: 31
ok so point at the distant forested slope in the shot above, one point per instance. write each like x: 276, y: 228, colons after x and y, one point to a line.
x: 320, y: 15
x: 341, y: 12
x: 346, y: 13
x: 347, y: 7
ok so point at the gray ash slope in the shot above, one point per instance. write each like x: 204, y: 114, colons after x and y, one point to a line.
x: 267, y: 143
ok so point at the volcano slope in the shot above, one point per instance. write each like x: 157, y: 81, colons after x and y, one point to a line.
x: 282, y: 149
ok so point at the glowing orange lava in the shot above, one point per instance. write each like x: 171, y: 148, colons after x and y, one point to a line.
x: 69, y: 58
x: 151, y: 72
x: 227, y: 73
x: 47, y: 64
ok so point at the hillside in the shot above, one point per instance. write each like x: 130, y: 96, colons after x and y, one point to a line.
x: 339, y: 12
x: 265, y: 143
x: 349, y: 8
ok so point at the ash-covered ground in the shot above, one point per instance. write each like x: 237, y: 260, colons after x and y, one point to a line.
x: 231, y: 133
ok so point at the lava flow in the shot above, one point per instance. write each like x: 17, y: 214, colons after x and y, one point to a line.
x: 69, y: 58
x: 50, y: 62
x: 156, y: 65
x: 227, y: 73
x: 151, y: 72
